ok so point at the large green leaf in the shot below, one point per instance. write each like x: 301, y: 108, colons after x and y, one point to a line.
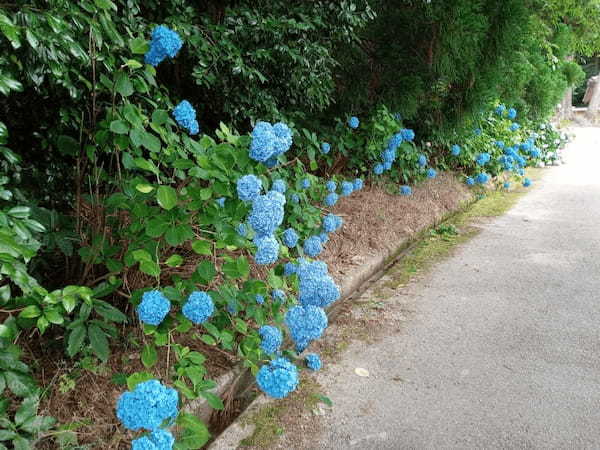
x: 19, y: 384
x: 75, y: 341
x: 167, y: 197
x: 149, y: 355
x: 195, y: 433
x: 98, y: 342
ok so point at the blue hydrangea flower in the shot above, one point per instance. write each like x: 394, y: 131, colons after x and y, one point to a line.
x: 267, y: 250
x: 331, y: 199
x: 324, y: 238
x: 422, y: 160
x: 506, y: 185
x: 535, y: 153
x: 407, y: 134
x: 431, y: 173
x: 259, y: 299
x: 165, y: 43
x: 283, y: 138
x: 358, y: 184
x: 482, y: 159
x: 278, y: 295
x: 290, y: 238
x: 331, y: 186
x: 499, y: 144
x: 482, y: 178
x: 397, y: 116
x: 512, y: 113
x: 455, y: 150
x: 526, y: 182
x: 271, y: 162
x: 500, y: 110
x: 153, y: 308
x: 277, y: 378
x: 347, y: 188
x: 289, y: 269
x: 378, y: 169
x: 263, y: 142
x: 221, y: 202
x: 316, y: 287
x: 405, y: 190
x: 470, y: 181
x: 387, y: 165
x: 248, y: 187
x: 325, y: 147
x: 185, y: 116
x: 267, y: 213
x: 515, y: 126
x: 198, y: 307
x: 159, y: 439
x: 389, y: 155
x: 312, y: 246
x: 313, y: 362
x: 306, y: 324
x: 295, y: 198
x: 521, y: 172
x: 477, y: 131
x: 270, y: 339
x: 395, y: 142
x: 147, y: 406
x: 331, y: 223
x: 279, y: 186
x: 353, y: 122
x: 305, y: 183
x: 242, y: 229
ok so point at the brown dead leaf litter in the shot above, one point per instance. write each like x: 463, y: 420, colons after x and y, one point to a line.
x: 374, y: 220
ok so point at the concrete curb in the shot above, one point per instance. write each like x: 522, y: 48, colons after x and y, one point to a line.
x: 355, y: 283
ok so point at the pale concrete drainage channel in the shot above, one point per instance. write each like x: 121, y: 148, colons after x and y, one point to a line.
x: 236, y: 385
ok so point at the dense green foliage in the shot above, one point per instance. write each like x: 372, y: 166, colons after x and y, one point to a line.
x: 102, y: 196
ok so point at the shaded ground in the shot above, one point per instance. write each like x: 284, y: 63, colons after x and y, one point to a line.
x: 373, y: 219
x: 498, y: 347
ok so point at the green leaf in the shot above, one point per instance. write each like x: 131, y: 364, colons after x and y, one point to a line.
x: 156, y: 227
x: 139, y: 46
x: 208, y: 339
x: 10, y: 30
x: 136, y: 378
x: 174, y: 261
x: 141, y: 255
x: 98, y: 342
x: 213, y: 400
x: 160, y: 117
x: 105, y: 4
x: 19, y: 212
x: 20, y: 443
x: 53, y: 316
x: 146, y: 165
x: 109, y: 312
x: 30, y: 312
x: 133, y: 64
x: 119, y: 127
x: 27, y: 409
x: 150, y: 267
x: 324, y: 399
x: 19, y: 384
x: 123, y: 86
x: 67, y: 145
x: 195, y: 433
x: 150, y: 141
x: 5, y: 435
x: 149, y: 355
x: 202, y: 247
x: 69, y: 303
x: 167, y: 197
x: 38, y: 424
x: 144, y: 188
x: 75, y: 341
x: 206, y: 271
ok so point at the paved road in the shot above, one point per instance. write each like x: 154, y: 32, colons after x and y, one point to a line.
x: 502, y: 348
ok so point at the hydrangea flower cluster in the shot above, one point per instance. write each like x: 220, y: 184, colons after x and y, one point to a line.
x: 353, y: 122
x: 331, y: 186
x: 242, y: 230
x: 358, y: 184
x: 347, y: 188
x: 325, y: 148
x: 270, y: 141
x: 332, y: 223
x: 431, y: 173
x: 278, y: 378
x: 278, y: 295
x: 153, y: 308
x: 313, y: 362
x: 267, y: 213
x: 306, y: 324
x: 405, y: 190
x: 267, y: 251
x: 316, y: 287
x: 482, y: 178
x: 500, y: 109
x: 185, y: 115
x: 199, y: 307
x: 470, y: 181
x: 512, y: 114
x: 515, y: 126
x: 259, y: 299
x: 306, y: 183
x: 289, y: 269
x: 526, y: 182
x: 249, y: 187
x: 324, y: 238
x: 159, y: 439
x: 312, y: 246
x: 165, y: 43
x: 378, y: 169
x: 147, y: 406
x: 482, y: 159
x: 270, y: 339
x: 279, y: 186
x: 407, y: 134
x: 422, y: 161
x: 455, y: 150
x: 221, y: 202
x: 331, y: 199
x: 295, y: 198
x: 290, y: 237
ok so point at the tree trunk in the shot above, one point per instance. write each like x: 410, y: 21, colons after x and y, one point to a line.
x: 566, y: 106
x: 594, y: 103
